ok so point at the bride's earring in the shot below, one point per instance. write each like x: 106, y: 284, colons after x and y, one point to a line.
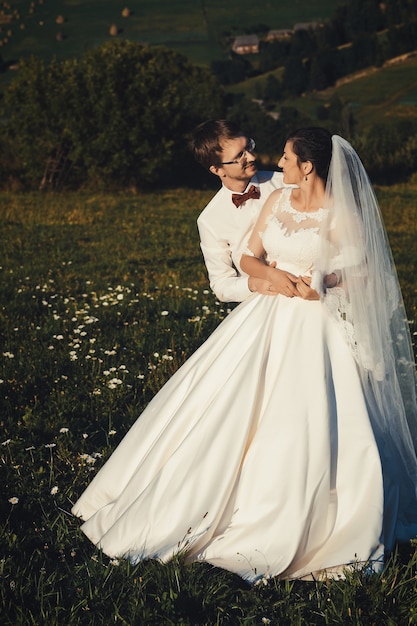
x: 306, y: 178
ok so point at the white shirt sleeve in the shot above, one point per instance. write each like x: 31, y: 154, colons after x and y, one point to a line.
x: 221, y: 239
x: 225, y: 282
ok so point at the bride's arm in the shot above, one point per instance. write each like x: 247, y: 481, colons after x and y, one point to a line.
x: 252, y: 262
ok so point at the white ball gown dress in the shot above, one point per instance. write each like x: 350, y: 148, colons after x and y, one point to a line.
x: 258, y: 455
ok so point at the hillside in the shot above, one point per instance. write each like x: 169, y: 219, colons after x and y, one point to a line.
x: 194, y: 28
x: 370, y: 92
x: 374, y: 94
x: 65, y: 28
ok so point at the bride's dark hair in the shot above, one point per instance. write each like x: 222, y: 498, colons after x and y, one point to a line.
x: 313, y: 144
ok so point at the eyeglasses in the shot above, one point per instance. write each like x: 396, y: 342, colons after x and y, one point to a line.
x: 250, y: 147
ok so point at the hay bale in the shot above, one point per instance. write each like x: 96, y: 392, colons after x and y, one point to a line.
x: 126, y: 12
x: 113, y: 30
x: 60, y: 19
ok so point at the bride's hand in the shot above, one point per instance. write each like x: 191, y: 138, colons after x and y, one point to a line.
x: 284, y: 283
x: 304, y: 289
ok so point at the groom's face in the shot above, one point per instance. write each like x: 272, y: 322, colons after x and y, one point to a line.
x: 238, y: 161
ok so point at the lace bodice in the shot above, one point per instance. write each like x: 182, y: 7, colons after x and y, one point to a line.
x: 291, y: 238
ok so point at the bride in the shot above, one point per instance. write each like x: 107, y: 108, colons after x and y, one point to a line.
x: 285, y: 445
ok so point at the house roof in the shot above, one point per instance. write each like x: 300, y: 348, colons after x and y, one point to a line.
x: 246, y: 40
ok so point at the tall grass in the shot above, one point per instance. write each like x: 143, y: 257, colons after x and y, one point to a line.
x: 101, y: 299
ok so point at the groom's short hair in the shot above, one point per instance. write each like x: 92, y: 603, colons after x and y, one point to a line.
x: 205, y: 142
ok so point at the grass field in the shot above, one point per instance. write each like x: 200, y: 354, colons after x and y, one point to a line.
x: 188, y: 26
x: 102, y: 297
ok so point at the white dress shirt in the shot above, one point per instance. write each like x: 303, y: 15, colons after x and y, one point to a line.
x: 224, y: 233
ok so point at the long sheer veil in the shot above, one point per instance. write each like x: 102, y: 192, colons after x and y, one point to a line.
x: 368, y: 305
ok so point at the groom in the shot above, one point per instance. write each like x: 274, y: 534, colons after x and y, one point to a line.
x: 227, y: 221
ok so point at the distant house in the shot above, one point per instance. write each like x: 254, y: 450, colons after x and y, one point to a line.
x: 279, y: 35
x: 246, y: 44
x: 306, y: 26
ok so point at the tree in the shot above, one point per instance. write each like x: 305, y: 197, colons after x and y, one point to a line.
x: 273, y: 54
x: 273, y: 88
x: 303, y: 43
x: 233, y: 70
x: 266, y: 130
x: 295, y: 78
x: 363, y: 17
x: 319, y: 75
x: 399, y: 11
x: 119, y: 116
x: 388, y: 150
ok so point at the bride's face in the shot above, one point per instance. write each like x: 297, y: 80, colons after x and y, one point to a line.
x: 290, y: 166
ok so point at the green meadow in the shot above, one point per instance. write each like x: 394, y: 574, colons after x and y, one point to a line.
x: 193, y: 28
x: 102, y: 297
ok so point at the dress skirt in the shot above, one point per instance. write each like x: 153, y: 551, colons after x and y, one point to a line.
x: 257, y: 456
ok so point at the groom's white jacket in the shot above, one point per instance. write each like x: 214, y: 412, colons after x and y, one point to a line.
x: 224, y: 232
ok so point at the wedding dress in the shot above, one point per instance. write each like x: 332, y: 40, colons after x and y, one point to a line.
x: 258, y: 455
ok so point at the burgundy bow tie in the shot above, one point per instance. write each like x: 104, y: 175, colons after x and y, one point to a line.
x: 238, y: 198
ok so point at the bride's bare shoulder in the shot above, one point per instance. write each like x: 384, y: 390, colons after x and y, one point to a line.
x: 274, y: 197
x: 277, y: 193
